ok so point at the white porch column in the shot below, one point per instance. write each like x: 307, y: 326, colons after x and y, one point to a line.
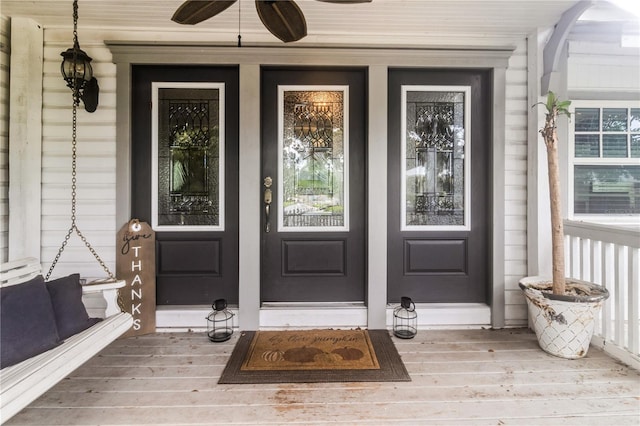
x: 249, y: 208
x: 25, y: 138
x: 377, y: 198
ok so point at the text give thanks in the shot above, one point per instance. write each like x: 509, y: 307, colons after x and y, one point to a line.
x: 136, y: 264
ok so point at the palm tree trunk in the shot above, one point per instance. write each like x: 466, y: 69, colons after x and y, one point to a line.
x: 557, y: 228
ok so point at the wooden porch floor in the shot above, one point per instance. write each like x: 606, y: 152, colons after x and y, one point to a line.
x: 464, y: 377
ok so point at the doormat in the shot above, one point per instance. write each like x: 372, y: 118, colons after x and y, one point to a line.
x: 314, y: 356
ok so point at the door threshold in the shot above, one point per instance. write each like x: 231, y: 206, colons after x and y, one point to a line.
x: 283, y: 315
x: 312, y: 305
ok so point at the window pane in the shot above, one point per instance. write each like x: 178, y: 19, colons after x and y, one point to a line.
x: 434, y: 158
x: 188, y: 157
x: 587, y: 119
x: 587, y: 146
x: 635, y: 120
x: 313, y: 160
x: 635, y: 146
x: 614, y: 146
x: 607, y: 189
x: 614, y: 120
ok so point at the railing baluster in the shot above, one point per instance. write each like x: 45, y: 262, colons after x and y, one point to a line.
x: 575, y: 254
x: 595, y: 266
x: 610, y: 256
x: 634, y: 300
x: 620, y: 278
x: 607, y: 280
x: 585, y: 259
x: 595, y: 272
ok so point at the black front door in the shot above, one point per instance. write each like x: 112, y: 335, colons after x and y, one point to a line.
x: 185, y: 178
x: 313, y: 162
x: 439, y: 169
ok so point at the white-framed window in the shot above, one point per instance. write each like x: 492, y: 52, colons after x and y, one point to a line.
x: 604, y: 156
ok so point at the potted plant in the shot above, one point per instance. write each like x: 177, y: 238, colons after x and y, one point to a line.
x: 562, y: 311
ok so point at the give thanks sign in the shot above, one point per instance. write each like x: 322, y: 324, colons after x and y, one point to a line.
x: 136, y: 264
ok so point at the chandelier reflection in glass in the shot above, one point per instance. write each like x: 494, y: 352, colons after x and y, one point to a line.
x: 314, y: 147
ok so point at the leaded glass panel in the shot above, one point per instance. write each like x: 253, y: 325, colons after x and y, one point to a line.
x: 313, y: 152
x: 188, y: 157
x: 435, y: 154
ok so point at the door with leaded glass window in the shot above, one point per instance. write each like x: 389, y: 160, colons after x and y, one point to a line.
x: 185, y: 178
x: 313, y: 203
x: 439, y: 170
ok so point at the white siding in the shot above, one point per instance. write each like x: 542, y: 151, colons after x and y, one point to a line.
x: 603, y: 68
x: 5, y: 47
x: 515, y: 191
x: 96, y: 163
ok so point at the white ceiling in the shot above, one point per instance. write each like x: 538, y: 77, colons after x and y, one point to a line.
x: 399, y: 22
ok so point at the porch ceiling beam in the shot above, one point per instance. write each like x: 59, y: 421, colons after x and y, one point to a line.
x: 553, y: 48
x: 134, y: 52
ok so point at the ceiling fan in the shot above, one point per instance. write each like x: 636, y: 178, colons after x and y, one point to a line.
x: 283, y: 18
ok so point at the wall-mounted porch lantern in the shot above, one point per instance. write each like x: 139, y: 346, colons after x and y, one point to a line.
x: 77, y: 70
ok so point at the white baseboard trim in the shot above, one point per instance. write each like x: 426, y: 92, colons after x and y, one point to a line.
x: 448, y: 315
x: 281, y: 316
x: 183, y: 317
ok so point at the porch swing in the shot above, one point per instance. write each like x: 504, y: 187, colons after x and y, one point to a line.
x: 47, y: 331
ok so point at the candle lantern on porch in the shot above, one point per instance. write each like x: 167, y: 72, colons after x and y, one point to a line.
x: 405, y: 319
x: 220, y: 322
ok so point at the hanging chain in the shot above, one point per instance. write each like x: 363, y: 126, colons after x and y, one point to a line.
x: 239, y: 26
x: 74, y: 157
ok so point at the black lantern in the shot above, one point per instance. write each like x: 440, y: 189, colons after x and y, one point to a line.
x: 77, y: 71
x: 76, y: 65
x: 220, y: 322
x: 405, y: 319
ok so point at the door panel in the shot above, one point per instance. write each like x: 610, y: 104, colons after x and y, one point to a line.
x: 313, y: 151
x: 439, y: 173
x: 186, y: 118
x: 314, y: 257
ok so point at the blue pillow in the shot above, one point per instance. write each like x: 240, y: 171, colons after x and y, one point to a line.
x: 27, y: 322
x: 70, y: 313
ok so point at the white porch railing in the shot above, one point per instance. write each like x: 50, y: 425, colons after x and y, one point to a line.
x: 610, y: 255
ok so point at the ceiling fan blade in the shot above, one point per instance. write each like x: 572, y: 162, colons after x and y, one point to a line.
x: 194, y: 11
x: 346, y: 1
x: 283, y: 19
